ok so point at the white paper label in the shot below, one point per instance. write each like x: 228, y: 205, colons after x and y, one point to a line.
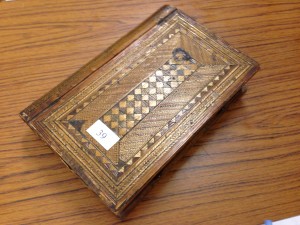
x: 103, y: 134
x: 289, y: 221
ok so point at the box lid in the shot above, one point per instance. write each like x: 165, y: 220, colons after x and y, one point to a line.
x: 122, y: 117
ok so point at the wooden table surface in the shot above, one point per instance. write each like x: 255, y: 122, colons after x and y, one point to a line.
x: 245, y: 169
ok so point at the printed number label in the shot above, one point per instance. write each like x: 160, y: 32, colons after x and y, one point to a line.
x: 103, y: 134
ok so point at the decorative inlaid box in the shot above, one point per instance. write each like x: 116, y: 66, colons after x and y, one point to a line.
x: 121, y: 118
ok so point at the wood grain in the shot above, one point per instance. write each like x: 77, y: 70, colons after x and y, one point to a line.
x: 246, y: 167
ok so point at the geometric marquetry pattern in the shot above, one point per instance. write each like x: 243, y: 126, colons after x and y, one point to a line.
x: 219, y: 76
x: 82, y: 105
x: 201, y: 84
x: 174, y: 62
x: 118, y: 171
x: 125, y: 114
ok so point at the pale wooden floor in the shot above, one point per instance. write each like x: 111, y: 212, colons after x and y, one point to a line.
x: 246, y: 168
